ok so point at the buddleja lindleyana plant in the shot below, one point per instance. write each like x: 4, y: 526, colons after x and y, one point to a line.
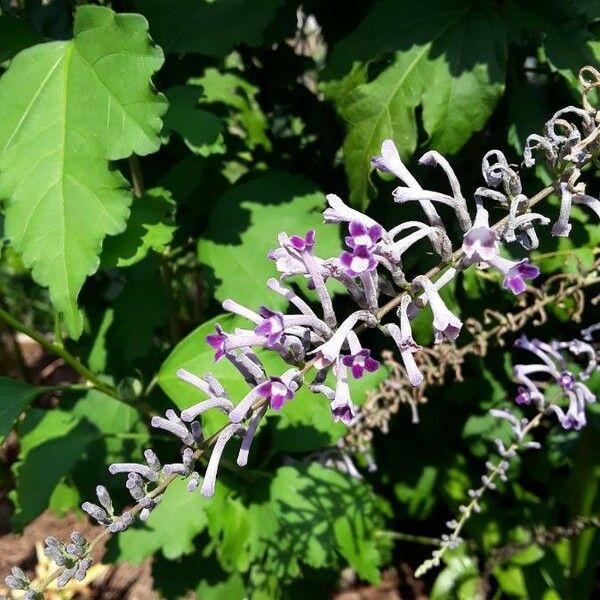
x: 323, y: 346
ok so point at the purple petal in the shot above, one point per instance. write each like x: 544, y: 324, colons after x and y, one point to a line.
x: 346, y: 259
x: 277, y: 402
x: 371, y: 364
x: 357, y: 371
x: 347, y: 361
x: 527, y: 270
x: 357, y: 228
x: 375, y: 232
x: 515, y: 284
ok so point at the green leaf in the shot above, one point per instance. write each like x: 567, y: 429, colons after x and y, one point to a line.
x: 15, y: 35
x: 229, y: 526
x: 459, y: 569
x: 137, y: 312
x: 171, y: 528
x: 243, y: 228
x: 323, y: 512
x: 449, y: 59
x: 14, y: 398
x: 230, y: 589
x: 245, y: 117
x: 150, y: 226
x: 359, y: 551
x: 201, y: 130
x: 123, y: 431
x: 69, y: 108
x: 51, y: 443
x: 206, y: 27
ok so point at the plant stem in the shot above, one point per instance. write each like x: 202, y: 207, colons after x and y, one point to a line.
x: 470, y: 508
x: 69, y: 359
x: 409, y: 537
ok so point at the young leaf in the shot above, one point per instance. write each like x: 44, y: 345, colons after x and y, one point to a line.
x: 69, y: 108
x: 150, y: 226
x: 14, y: 397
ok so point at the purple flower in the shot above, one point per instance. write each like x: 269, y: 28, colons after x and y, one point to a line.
x: 360, y: 362
x: 303, y: 243
x: 276, y: 391
x: 272, y: 327
x: 566, y: 381
x: 358, y: 262
x: 480, y: 244
x: 342, y: 407
x: 217, y: 341
x: 515, y: 273
x: 523, y: 396
x: 445, y: 323
x: 360, y: 235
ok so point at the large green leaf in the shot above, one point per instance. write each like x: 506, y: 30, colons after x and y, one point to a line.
x: 205, y: 27
x: 243, y: 227
x: 449, y: 58
x: 51, y: 443
x: 171, y: 527
x: 323, y: 512
x: 14, y: 397
x: 69, y: 108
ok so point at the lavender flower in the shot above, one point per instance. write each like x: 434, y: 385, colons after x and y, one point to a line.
x: 360, y: 235
x: 358, y: 262
x: 360, y: 362
x: 276, y: 391
x: 553, y: 365
x: 515, y: 273
x: 445, y: 323
x: 342, y: 407
x: 481, y: 242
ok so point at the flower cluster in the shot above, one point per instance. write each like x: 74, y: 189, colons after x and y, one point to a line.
x: 314, y: 336
x: 553, y: 366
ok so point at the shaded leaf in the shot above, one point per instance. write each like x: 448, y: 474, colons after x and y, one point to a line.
x: 51, y: 443
x: 243, y: 227
x: 150, y: 226
x: 205, y: 27
x: 15, y: 396
x: 171, y: 528
x: 245, y: 117
x: 324, y: 513
x: 451, y: 62
x: 201, y: 130
x: 15, y: 35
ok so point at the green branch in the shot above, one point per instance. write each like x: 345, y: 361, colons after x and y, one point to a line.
x: 60, y: 351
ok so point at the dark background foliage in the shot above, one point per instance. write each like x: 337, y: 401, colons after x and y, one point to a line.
x: 268, y: 110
